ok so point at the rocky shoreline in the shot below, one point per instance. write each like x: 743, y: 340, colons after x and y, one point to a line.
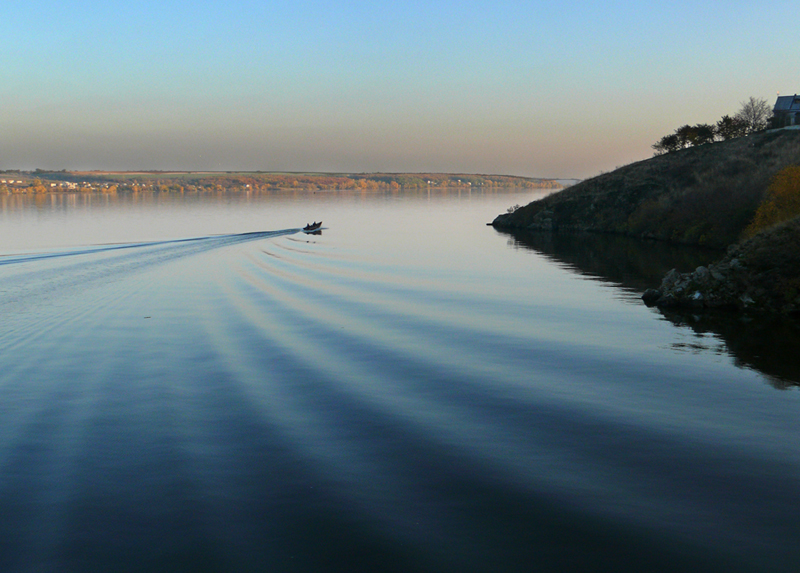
x: 760, y: 275
x: 715, y: 286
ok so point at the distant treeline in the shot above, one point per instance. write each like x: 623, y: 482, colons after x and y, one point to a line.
x: 41, y: 181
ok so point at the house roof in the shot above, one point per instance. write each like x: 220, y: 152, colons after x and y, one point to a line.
x: 787, y: 103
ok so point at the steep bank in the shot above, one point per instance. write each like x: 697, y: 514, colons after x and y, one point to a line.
x: 702, y: 195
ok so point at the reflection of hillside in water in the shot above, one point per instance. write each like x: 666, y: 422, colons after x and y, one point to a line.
x: 770, y: 345
x: 631, y: 264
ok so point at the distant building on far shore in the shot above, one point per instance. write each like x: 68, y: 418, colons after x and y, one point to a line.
x: 786, y: 111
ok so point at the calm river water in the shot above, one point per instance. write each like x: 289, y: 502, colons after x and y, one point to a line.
x: 191, y: 384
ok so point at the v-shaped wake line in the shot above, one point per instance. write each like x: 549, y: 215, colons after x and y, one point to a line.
x: 213, y: 240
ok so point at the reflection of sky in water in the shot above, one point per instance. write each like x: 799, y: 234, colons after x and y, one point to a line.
x: 410, y: 380
x: 63, y: 219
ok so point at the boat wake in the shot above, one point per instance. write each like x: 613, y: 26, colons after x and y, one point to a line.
x: 27, y: 279
x: 205, y: 243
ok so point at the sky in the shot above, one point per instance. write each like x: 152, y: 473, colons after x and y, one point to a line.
x: 536, y: 88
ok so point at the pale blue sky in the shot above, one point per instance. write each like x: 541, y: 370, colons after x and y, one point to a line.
x: 527, y: 88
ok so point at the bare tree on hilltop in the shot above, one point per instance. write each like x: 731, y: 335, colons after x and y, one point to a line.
x: 754, y: 115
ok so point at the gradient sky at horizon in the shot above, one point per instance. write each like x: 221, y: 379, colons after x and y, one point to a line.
x: 524, y: 88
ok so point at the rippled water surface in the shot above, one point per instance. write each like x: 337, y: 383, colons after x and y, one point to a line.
x: 192, y: 384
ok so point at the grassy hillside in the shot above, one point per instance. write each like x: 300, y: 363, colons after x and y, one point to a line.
x: 704, y: 195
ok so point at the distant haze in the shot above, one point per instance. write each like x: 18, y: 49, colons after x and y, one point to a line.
x: 521, y: 88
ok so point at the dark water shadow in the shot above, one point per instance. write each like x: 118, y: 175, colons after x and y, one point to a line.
x: 767, y: 344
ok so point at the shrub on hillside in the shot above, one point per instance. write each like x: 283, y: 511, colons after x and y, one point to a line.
x: 731, y: 127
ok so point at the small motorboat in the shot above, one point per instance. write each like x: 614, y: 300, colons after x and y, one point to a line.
x: 311, y: 227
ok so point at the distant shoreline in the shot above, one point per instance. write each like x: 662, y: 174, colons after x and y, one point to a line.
x: 41, y: 181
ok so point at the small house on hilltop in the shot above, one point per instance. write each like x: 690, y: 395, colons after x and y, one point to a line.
x: 787, y: 111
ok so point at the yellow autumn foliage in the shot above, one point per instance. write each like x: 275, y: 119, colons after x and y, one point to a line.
x: 781, y: 203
